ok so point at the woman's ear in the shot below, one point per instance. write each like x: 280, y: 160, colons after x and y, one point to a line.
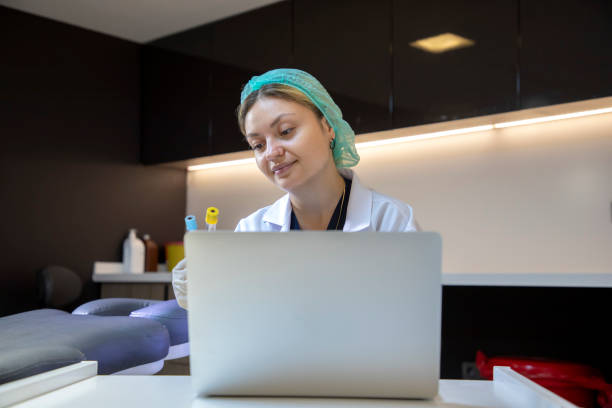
x: 328, y: 128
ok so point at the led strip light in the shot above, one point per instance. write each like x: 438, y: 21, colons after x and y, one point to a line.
x: 430, y: 135
x: 220, y: 164
x: 553, y: 117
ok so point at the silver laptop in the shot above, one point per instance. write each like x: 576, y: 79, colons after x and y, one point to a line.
x: 314, y: 313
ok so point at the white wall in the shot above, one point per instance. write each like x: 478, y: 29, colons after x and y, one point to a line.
x: 530, y: 199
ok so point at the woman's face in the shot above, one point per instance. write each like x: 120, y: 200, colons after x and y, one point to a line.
x: 290, y: 143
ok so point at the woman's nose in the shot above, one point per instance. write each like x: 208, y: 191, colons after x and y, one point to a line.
x: 274, y: 150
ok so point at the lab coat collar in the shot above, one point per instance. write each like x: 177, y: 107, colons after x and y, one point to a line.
x: 359, y: 211
x: 279, y: 214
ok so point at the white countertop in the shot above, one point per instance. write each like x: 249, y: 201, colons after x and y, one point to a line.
x: 112, y: 272
x: 147, y: 277
x: 574, y: 280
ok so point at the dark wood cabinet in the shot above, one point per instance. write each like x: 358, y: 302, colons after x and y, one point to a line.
x: 558, y: 323
x: 197, y: 42
x: 524, y: 54
x: 566, y: 51
x: 243, y: 46
x: 226, y: 84
x: 192, y: 82
x: 345, y: 45
x: 257, y: 41
x: 176, y: 105
x: 465, y: 82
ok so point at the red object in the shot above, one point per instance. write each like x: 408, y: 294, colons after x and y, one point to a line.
x: 577, y: 383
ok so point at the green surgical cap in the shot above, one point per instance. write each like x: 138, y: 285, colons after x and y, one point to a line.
x: 345, y: 153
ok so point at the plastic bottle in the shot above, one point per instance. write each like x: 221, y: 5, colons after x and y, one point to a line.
x: 133, y: 253
x: 151, y: 254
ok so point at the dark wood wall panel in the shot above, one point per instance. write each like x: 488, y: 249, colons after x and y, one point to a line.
x: 70, y: 176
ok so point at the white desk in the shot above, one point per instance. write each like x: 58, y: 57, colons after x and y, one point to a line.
x: 508, y: 390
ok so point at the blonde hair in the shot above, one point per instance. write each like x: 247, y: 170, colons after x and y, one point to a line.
x: 280, y: 91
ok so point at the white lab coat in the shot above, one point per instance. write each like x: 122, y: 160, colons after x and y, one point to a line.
x: 367, y: 211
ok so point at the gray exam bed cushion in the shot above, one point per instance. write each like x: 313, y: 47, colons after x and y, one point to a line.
x: 171, y: 315
x: 113, y: 306
x: 116, y: 342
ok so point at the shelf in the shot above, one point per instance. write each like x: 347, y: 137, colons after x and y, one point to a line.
x: 147, y: 277
x: 112, y: 272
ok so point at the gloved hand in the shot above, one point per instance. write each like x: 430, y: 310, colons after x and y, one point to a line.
x: 179, y: 283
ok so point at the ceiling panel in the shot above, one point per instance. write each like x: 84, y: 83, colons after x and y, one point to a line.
x: 136, y: 20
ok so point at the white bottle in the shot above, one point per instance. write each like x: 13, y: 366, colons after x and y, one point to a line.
x: 133, y: 253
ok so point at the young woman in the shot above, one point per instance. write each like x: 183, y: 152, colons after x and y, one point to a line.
x: 303, y: 146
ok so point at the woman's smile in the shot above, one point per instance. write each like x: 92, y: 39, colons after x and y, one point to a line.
x: 282, y: 169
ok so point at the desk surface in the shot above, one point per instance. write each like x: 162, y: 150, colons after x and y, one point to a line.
x: 175, y: 391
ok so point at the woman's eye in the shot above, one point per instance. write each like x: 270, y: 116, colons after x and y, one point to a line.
x: 257, y: 146
x: 286, y: 131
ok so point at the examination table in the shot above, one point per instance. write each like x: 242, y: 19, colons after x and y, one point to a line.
x: 125, y: 336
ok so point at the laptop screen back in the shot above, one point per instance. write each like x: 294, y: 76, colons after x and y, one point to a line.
x: 314, y: 313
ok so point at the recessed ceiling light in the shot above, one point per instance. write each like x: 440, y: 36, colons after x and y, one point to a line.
x: 442, y: 43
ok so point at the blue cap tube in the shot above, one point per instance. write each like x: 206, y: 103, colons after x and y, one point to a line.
x: 191, y: 223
